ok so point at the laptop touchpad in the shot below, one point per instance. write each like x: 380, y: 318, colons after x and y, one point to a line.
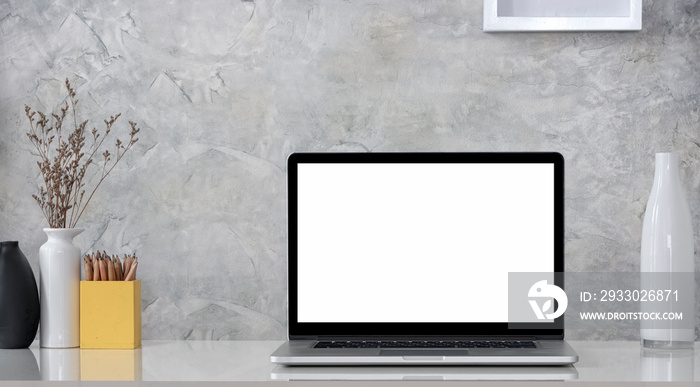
x: 424, y: 352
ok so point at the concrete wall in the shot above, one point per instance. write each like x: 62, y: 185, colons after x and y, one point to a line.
x: 224, y: 90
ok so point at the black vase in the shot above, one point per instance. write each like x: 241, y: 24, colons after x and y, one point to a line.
x: 19, y: 298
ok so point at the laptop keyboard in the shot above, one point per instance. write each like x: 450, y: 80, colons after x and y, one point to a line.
x: 424, y: 344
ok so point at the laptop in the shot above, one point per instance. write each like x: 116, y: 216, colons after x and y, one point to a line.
x: 406, y: 258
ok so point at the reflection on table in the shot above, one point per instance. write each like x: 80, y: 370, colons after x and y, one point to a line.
x: 416, y: 373
x: 610, y: 361
x: 667, y: 366
x: 111, y: 364
x: 60, y: 364
x: 73, y: 364
x: 18, y: 364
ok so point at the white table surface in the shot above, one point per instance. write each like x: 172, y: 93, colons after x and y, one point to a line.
x: 246, y: 361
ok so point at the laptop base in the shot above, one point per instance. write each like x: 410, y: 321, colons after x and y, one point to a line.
x: 547, y: 352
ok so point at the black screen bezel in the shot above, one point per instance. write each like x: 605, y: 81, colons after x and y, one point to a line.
x: 316, y: 330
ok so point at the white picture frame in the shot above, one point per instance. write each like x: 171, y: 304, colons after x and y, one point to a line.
x: 562, y: 15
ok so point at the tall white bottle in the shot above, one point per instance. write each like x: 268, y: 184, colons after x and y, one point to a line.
x: 667, y: 261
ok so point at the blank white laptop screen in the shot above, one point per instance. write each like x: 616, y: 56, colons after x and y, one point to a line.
x: 419, y: 242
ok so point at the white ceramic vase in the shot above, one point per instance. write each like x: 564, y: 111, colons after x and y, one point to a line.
x: 667, y: 259
x: 59, y: 268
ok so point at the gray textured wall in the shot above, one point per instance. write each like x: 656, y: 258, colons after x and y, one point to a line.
x: 224, y: 90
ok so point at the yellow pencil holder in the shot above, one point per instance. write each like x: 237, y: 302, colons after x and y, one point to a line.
x: 110, y: 314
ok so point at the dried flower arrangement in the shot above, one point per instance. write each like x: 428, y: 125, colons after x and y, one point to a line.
x: 64, y: 168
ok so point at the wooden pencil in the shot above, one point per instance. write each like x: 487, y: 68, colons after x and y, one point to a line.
x: 132, y: 272
x: 110, y: 268
x: 95, y: 268
x: 121, y: 268
x: 103, y: 269
x: 127, y: 264
x: 88, y: 268
x: 118, y: 268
